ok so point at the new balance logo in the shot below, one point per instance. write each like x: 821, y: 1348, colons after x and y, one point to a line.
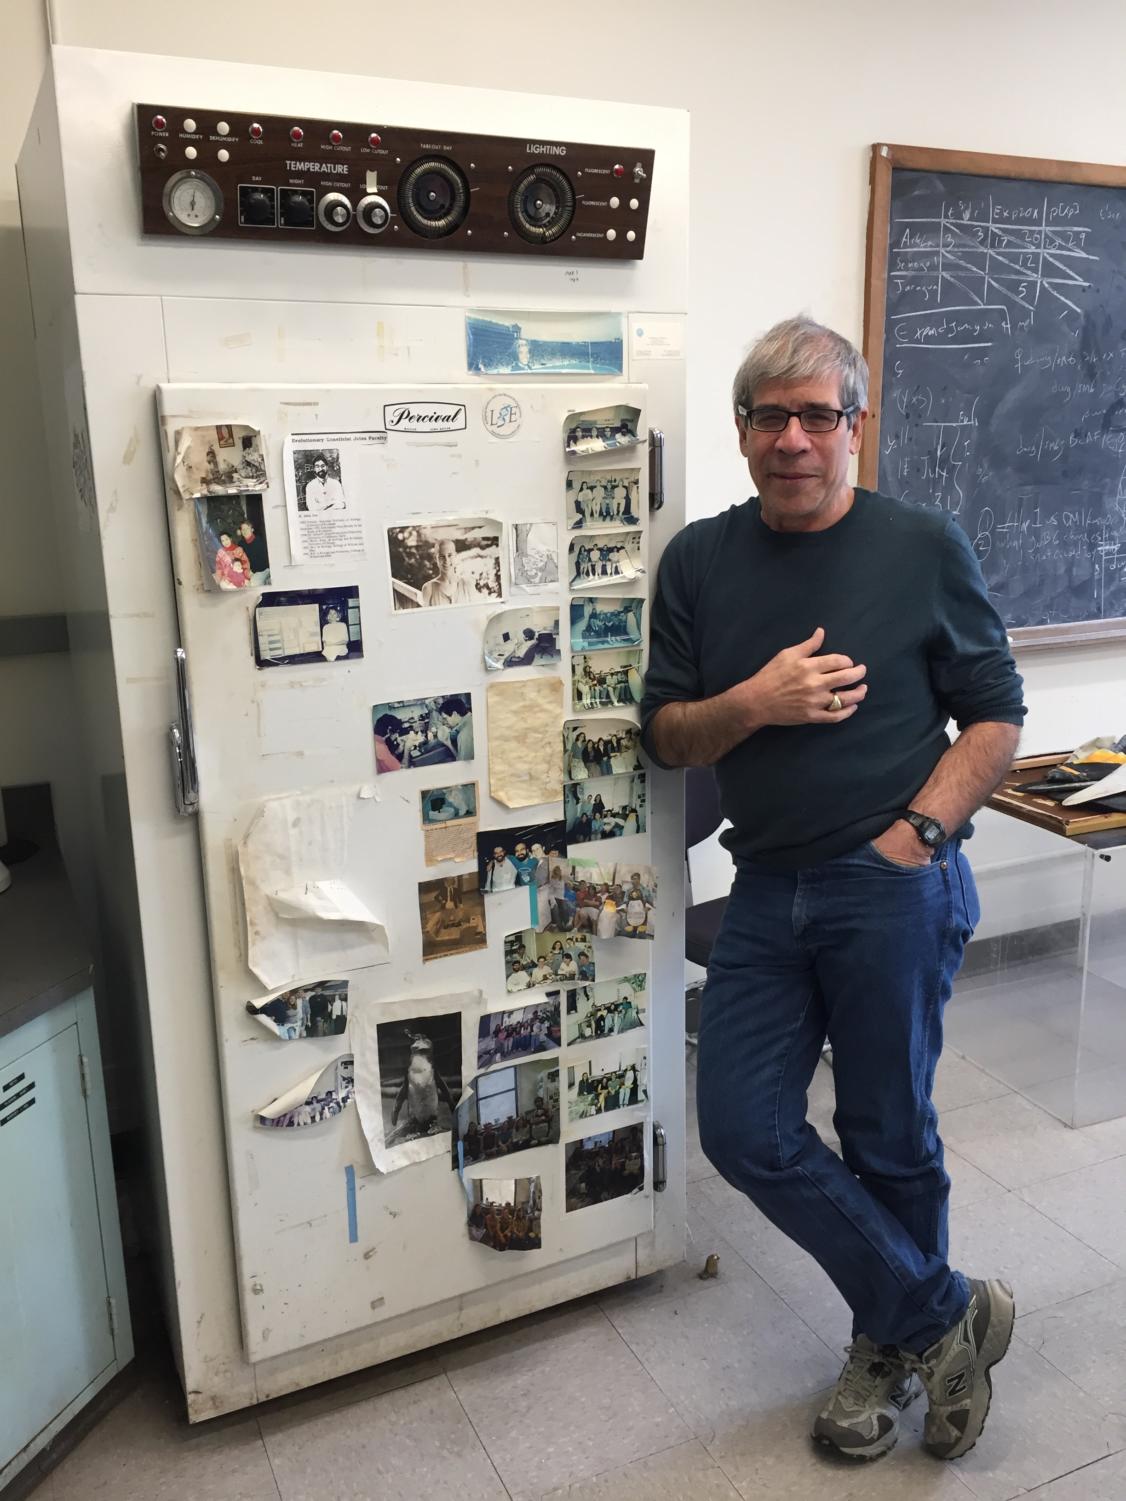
x: 956, y: 1384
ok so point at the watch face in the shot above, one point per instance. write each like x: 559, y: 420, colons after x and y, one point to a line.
x: 930, y: 834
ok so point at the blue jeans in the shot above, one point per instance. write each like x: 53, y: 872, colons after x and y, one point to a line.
x: 865, y: 952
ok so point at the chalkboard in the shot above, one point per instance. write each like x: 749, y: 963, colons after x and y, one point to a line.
x: 996, y: 336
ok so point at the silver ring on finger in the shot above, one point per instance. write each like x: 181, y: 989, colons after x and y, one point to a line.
x: 835, y: 705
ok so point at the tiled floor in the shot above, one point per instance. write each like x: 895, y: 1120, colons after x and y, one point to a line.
x: 677, y: 1389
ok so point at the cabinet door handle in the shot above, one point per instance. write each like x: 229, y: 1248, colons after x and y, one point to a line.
x: 656, y: 468
x: 181, y: 740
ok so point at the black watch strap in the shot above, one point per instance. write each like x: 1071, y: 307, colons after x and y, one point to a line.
x: 931, y: 831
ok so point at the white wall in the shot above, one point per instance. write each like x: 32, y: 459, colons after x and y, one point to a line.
x: 785, y: 103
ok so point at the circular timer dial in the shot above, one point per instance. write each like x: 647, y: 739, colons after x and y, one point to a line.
x: 193, y: 202
x: 542, y: 204
x: 434, y: 197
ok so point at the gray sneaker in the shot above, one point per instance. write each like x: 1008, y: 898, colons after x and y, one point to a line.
x: 955, y: 1370
x: 861, y: 1418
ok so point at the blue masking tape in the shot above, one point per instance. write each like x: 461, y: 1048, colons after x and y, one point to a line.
x: 350, y: 1193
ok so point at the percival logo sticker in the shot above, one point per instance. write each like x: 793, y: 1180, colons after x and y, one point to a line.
x: 424, y: 417
x: 502, y: 415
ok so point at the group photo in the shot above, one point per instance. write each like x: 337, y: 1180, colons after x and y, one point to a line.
x: 603, y: 497
x: 505, y: 1213
x: 510, y: 1110
x: 603, y: 558
x: 600, y: 748
x: 508, y: 1036
x: 606, y: 621
x: 322, y: 1097
x: 507, y: 858
x: 594, y: 1088
x: 605, y: 1167
x: 609, y: 680
x: 601, y: 428
x: 317, y: 1010
x: 607, y: 1009
x: 604, y: 900
x: 604, y: 808
x: 534, y: 958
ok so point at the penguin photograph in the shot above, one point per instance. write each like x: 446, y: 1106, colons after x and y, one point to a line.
x: 420, y: 1076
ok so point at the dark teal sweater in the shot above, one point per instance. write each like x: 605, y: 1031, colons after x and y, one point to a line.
x: 896, y: 586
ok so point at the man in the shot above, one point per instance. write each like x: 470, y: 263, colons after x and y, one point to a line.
x: 812, y: 644
x: 450, y: 587
x: 324, y: 492
x: 456, y: 717
x: 500, y: 873
x: 524, y: 864
x: 254, y: 545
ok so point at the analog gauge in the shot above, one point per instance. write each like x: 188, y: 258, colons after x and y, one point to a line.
x: 542, y: 204
x: 434, y: 197
x: 193, y: 202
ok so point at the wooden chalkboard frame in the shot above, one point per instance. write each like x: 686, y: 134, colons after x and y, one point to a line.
x: 885, y: 159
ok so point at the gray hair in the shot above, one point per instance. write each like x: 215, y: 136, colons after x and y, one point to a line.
x: 800, y: 349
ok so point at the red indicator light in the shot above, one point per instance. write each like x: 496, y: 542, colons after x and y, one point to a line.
x: 336, y: 136
x: 619, y: 170
x: 256, y: 132
x: 297, y: 135
x: 375, y: 139
x: 159, y: 122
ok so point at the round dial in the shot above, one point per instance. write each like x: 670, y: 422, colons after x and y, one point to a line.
x: 434, y: 197
x: 193, y: 202
x: 542, y: 204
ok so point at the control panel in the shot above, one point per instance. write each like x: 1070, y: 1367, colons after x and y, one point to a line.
x: 226, y: 175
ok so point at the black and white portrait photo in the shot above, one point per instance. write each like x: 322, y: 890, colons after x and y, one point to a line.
x: 600, y: 748
x: 606, y: 623
x: 605, y: 808
x: 294, y: 626
x: 603, y: 498
x: 509, y: 1110
x: 316, y: 474
x: 414, y: 732
x: 605, y: 1167
x: 419, y: 1075
x: 598, y: 558
x: 605, y: 680
x: 527, y: 637
x: 509, y: 1036
x: 507, y: 858
x: 442, y: 563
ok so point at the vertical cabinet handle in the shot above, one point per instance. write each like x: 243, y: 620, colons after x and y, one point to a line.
x: 656, y: 469
x: 185, y: 778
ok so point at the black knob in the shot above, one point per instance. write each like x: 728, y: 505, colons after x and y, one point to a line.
x: 298, y: 207
x: 541, y: 204
x: 257, y: 205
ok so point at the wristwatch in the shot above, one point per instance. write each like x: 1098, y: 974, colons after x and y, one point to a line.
x: 930, y: 830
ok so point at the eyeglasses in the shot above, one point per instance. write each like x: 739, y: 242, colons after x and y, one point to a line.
x: 812, y: 419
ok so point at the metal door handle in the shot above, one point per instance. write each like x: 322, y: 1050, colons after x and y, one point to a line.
x: 656, y: 469
x: 185, y: 776
x: 660, y: 1158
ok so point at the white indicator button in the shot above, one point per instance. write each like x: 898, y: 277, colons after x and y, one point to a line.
x: 633, y: 203
x: 615, y: 202
x: 190, y: 153
x: 224, y: 156
x: 611, y: 234
x: 223, y: 128
x: 189, y: 126
x: 631, y: 235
